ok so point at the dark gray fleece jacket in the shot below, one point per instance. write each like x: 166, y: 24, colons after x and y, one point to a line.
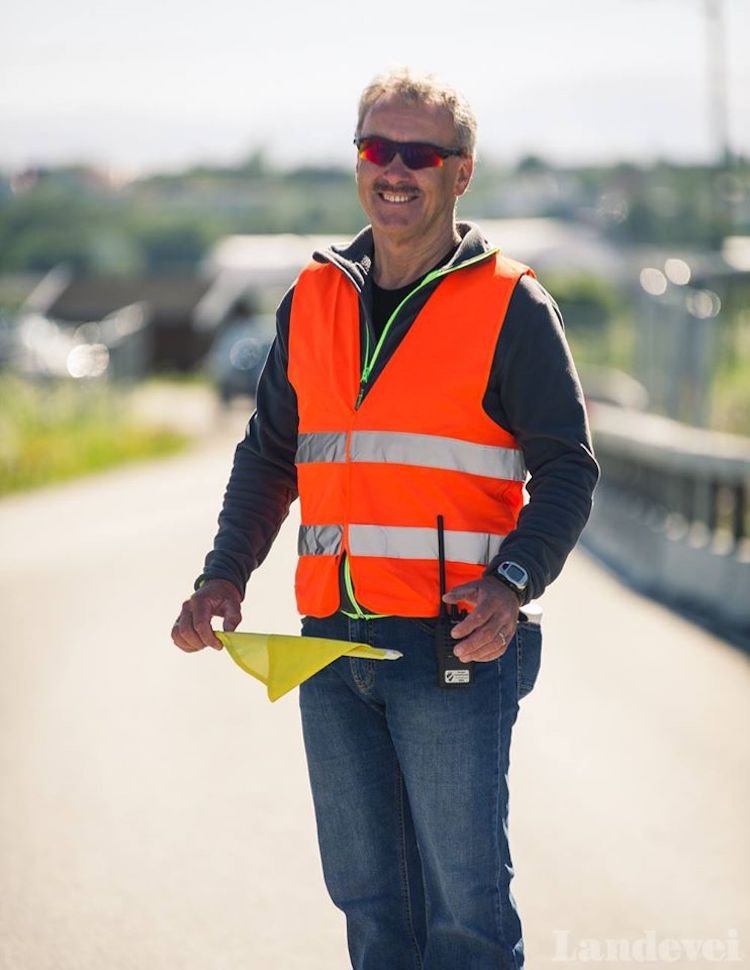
x: 533, y: 392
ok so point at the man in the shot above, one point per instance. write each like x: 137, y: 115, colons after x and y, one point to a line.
x: 416, y: 373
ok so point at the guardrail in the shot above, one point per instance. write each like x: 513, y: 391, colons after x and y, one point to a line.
x: 672, y: 513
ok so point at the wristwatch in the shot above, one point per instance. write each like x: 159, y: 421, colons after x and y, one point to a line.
x: 513, y: 576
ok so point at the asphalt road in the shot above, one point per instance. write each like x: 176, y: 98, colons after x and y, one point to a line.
x: 154, y: 811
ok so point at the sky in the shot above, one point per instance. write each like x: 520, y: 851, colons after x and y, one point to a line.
x: 146, y: 86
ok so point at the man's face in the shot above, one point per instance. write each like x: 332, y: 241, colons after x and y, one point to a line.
x: 402, y: 203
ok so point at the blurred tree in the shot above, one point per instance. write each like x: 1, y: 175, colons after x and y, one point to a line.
x: 40, y: 247
x: 171, y: 245
x: 596, y: 319
x: 532, y: 164
x: 167, y: 221
x: 588, y: 303
x: 256, y: 164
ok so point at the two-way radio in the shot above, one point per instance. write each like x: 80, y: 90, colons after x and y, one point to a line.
x: 451, y: 671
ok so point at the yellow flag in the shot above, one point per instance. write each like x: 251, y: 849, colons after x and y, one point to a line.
x: 282, y: 662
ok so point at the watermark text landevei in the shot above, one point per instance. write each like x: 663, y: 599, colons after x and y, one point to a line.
x: 647, y: 948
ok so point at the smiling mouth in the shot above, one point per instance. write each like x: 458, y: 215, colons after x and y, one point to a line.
x: 396, y: 198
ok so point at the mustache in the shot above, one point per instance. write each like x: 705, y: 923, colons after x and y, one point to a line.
x: 399, y: 187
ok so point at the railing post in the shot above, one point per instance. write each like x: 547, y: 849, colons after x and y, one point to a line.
x: 738, y: 517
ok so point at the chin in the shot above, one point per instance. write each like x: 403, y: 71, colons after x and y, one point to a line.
x: 391, y: 217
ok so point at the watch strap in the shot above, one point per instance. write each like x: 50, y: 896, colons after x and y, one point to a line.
x: 501, y: 579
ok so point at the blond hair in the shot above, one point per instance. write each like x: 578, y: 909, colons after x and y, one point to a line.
x: 422, y: 89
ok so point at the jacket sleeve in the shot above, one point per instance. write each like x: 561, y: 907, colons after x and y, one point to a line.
x: 263, y: 481
x: 535, y: 394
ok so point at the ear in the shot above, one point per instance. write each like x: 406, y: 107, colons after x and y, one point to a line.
x: 463, y: 175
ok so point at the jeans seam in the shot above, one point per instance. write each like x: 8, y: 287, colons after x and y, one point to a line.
x: 497, y: 822
x: 496, y: 802
x: 519, y: 663
x: 403, y: 866
x: 501, y: 773
x: 363, y: 673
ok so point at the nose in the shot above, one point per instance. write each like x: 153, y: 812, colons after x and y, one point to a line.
x: 396, y: 168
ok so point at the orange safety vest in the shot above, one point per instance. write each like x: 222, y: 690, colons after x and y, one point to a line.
x: 374, y: 473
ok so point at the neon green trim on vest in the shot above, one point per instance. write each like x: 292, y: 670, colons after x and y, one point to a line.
x: 431, y: 277
x: 360, y: 614
x: 365, y: 376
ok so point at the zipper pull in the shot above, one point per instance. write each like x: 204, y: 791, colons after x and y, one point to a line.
x: 360, y: 397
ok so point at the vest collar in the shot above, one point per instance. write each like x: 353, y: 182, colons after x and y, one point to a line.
x: 354, y: 259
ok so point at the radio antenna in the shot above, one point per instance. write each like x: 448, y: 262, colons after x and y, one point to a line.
x: 441, y: 563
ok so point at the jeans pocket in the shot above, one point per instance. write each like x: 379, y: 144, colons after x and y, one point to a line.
x: 529, y: 655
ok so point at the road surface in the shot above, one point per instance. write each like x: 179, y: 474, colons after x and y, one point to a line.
x: 155, y: 815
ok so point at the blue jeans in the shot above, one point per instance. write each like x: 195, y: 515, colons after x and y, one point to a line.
x: 410, y: 787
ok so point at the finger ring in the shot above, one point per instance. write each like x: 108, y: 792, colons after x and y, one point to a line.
x: 502, y: 636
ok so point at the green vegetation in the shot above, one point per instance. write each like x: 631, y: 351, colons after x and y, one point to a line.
x: 731, y: 396
x: 167, y: 222
x: 53, y: 432
x: 597, y: 322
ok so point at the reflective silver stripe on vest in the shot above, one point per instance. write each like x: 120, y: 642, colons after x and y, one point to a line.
x: 404, y: 542
x: 423, y: 450
x: 321, y: 446
x: 436, y: 451
x: 319, y: 540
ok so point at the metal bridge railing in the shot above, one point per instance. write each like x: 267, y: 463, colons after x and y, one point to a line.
x: 672, y: 512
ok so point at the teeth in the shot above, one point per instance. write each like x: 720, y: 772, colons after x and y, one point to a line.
x: 395, y: 197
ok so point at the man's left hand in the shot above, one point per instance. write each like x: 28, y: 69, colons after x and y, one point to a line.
x: 490, y: 626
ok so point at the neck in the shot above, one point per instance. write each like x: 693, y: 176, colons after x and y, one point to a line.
x: 400, y: 261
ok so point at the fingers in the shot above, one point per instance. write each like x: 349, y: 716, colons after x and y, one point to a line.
x: 482, y: 614
x: 203, y: 609
x: 488, y: 629
x: 232, y: 617
x: 468, y: 592
x: 482, y: 646
x: 192, y: 630
x: 184, y: 634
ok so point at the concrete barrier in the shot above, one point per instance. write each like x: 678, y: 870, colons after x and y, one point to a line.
x: 671, y: 512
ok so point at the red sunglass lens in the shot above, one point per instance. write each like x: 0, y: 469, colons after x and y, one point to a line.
x: 415, y: 155
x: 379, y: 151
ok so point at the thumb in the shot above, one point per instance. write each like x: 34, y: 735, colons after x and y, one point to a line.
x: 232, y: 617
x: 467, y: 592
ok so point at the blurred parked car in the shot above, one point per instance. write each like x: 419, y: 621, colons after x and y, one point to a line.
x: 114, y: 347
x: 238, y: 354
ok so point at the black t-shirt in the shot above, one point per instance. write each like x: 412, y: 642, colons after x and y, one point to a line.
x: 384, y: 302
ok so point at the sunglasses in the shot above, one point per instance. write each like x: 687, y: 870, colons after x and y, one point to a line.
x: 414, y: 154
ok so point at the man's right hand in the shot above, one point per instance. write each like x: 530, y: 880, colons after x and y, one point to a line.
x: 216, y: 597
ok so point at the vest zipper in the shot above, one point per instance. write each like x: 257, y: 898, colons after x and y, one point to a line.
x: 359, y: 613
x: 370, y: 361
x: 362, y: 380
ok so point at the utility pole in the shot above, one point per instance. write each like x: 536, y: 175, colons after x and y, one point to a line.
x: 722, y: 203
x: 717, y: 60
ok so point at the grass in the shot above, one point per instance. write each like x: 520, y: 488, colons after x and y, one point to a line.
x: 51, y: 432
x: 731, y: 399
x: 729, y: 392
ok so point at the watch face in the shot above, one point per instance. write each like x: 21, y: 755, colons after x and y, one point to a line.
x: 514, y: 574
